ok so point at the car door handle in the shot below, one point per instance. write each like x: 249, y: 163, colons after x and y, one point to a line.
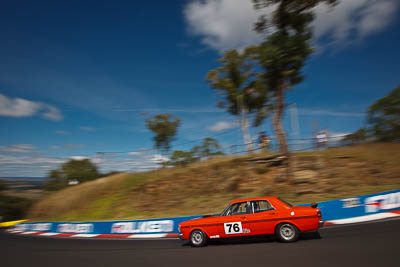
x: 243, y: 217
x: 271, y: 213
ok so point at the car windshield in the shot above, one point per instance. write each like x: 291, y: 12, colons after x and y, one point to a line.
x: 226, y: 211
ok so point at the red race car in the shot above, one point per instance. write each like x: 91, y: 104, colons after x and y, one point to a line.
x: 253, y: 216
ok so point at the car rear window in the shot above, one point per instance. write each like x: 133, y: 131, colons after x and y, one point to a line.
x: 284, y: 201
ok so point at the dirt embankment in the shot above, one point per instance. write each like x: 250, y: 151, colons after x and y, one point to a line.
x: 206, y: 187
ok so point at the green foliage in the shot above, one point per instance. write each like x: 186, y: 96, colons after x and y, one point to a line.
x: 3, y: 186
x: 210, y: 147
x: 56, y: 181
x: 283, y: 53
x: 164, y: 129
x: 181, y: 158
x: 357, y: 137
x: 13, y: 208
x: 235, y: 79
x: 261, y: 170
x: 384, y: 117
x: 80, y: 170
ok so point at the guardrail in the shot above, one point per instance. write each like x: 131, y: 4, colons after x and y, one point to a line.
x: 341, y: 211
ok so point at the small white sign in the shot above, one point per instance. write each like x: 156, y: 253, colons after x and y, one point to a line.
x: 233, y: 228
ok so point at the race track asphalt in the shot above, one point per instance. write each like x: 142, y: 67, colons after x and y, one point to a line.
x: 368, y: 244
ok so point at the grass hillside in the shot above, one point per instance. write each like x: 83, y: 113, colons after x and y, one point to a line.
x: 206, y: 187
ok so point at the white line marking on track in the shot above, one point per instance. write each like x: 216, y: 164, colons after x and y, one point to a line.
x: 366, y: 218
x: 147, y: 236
x: 28, y: 233
x: 49, y: 234
x: 85, y: 235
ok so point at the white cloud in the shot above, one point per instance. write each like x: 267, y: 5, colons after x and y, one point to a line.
x: 29, y: 161
x: 40, y: 165
x: 226, y: 24
x: 337, y: 136
x: 51, y: 113
x: 73, y: 146
x: 18, y: 149
x: 78, y: 157
x: 222, y: 125
x: 87, y: 129
x: 158, y: 158
x: 61, y: 132
x: 19, y: 107
x: 352, y: 20
x: 223, y: 24
x: 66, y: 146
x: 134, y: 153
x: 325, y: 112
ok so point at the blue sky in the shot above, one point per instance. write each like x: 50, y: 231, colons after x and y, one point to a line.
x: 80, y: 77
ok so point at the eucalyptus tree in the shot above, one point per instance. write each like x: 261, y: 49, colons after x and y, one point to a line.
x: 165, y: 129
x: 208, y: 148
x: 384, y: 117
x: 237, y: 83
x: 282, y: 55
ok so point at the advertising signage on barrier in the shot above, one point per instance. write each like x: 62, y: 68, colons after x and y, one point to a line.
x: 155, y: 226
x: 348, y: 210
x: 80, y: 228
x: 33, y: 227
x: 164, y: 226
x: 360, y: 206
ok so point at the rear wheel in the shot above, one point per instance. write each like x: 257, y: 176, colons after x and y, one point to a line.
x: 198, y: 238
x: 287, y: 233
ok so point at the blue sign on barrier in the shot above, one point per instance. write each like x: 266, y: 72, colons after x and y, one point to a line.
x: 360, y: 206
x: 153, y: 226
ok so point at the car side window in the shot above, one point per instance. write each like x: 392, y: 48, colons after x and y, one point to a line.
x: 261, y: 205
x: 240, y: 208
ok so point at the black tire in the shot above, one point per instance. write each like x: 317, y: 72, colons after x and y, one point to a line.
x: 287, y: 233
x: 198, y: 238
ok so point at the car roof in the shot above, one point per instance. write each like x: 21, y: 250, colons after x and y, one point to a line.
x: 252, y: 199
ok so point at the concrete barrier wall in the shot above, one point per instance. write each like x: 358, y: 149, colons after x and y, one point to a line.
x: 361, y: 208
x: 341, y: 211
x: 154, y: 227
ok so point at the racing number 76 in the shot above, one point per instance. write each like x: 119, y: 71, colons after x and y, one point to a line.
x: 233, y: 228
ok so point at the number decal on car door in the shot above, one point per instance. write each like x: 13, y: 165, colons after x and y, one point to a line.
x: 233, y: 228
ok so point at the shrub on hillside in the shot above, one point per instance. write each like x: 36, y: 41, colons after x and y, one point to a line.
x: 3, y: 185
x: 13, y: 208
x: 73, y: 170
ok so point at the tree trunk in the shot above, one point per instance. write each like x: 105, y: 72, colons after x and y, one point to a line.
x: 280, y: 134
x: 244, y: 123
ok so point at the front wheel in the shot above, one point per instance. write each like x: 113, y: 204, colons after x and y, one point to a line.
x: 287, y: 233
x: 198, y: 238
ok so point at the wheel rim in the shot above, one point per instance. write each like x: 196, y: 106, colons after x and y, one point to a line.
x: 287, y: 231
x: 197, y: 238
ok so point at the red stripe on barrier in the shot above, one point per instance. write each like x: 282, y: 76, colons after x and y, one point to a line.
x: 395, y: 211
x: 328, y: 223
x: 172, y: 235
x: 64, y: 234
x: 37, y: 233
